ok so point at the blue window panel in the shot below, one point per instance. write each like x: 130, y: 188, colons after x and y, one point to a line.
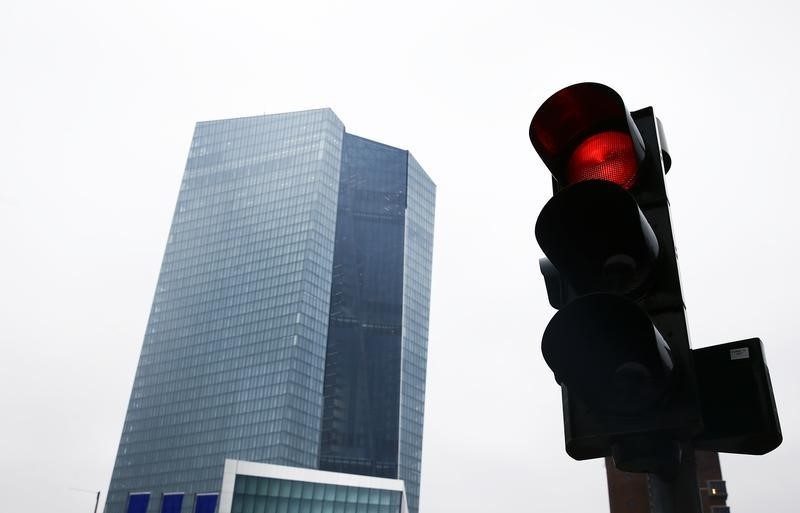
x: 206, y: 503
x: 172, y: 503
x: 137, y: 502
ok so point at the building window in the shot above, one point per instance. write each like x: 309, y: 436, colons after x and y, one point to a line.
x: 171, y: 503
x: 253, y: 494
x: 717, y: 489
x: 137, y: 502
x: 205, y: 503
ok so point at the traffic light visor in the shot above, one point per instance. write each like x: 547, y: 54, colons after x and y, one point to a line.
x: 597, y: 237
x: 584, y: 132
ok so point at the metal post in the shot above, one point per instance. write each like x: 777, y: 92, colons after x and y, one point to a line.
x: 97, y: 495
x: 680, y: 495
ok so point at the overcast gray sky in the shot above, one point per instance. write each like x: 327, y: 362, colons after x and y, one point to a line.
x: 98, y: 100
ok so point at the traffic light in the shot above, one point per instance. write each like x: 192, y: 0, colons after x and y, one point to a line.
x: 632, y: 388
x: 618, y: 345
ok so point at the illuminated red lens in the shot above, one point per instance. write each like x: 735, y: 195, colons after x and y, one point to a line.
x: 605, y: 156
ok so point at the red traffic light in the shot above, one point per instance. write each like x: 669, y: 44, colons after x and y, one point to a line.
x: 584, y: 132
x: 605, y: 156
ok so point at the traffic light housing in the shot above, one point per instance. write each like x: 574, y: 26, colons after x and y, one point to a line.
x: 619, y: 345
x: 739, y: 412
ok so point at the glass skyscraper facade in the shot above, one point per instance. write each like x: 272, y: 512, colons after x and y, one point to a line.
x: 289, y: 324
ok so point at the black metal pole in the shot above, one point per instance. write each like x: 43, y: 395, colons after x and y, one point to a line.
x: 681, y: 494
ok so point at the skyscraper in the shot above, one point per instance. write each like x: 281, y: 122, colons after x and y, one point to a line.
x: 289, y: 324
